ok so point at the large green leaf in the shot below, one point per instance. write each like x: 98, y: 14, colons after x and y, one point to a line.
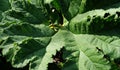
x: 85, y: 52
x: 24, y: 43
x: 95, y: 21
x: 80, y: 51
x: 90, y: 41
x: 26, y: 11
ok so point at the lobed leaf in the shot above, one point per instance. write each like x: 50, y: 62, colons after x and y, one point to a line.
x: 90, y: 41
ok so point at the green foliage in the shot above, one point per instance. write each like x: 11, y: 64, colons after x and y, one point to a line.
x: 60, y: 35
x: 93, y: 23
x: 87, y: 5
x: 4, y: 5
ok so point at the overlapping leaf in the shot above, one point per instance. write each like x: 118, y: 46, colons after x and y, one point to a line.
x: 86, y: 52
x: 26, y: 40
x: 26, y: 11
x: 22, y: 43
x: 70, y: 8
